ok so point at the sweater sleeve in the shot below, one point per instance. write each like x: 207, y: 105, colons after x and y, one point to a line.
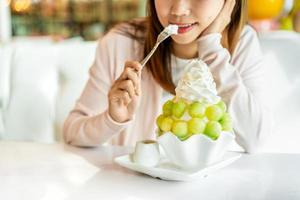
x: 89, y: 123
x: 240, y: 83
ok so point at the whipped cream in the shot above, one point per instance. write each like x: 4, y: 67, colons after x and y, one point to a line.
x: 172, y: 29
x: 197, y: 83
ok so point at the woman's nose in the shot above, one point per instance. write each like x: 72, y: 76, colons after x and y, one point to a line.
x: 180, y: 8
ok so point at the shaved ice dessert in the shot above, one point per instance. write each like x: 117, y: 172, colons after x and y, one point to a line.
x: 194, y: 127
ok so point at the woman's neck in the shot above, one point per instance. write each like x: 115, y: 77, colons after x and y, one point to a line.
x: 185, y: 51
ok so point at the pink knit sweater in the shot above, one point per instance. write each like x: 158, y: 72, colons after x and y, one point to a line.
x: 239, y: 78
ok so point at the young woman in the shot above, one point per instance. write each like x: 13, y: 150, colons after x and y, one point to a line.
x: 121, y: 100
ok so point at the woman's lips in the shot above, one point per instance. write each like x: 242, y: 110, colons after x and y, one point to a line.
x: 184, y: 28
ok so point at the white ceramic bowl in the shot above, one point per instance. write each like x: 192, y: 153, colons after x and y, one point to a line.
x: 197, y: 151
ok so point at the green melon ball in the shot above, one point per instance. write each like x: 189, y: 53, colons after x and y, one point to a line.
x: 214, y: 113
x: 184, y: 137
x: 166, y: 124
x: 167, y: 108
x: 222, y: 105
x: 178, y: 109
x: 227, y: 126
x: 226, y: 122
x: 226, y: 117
x: 159, y: 120
x: 196, y: 125
x: 180, y: 128
x: 197, y: 109
x: 213, y: 129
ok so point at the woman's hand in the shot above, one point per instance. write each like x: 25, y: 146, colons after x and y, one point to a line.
x: 125, y: 93
x: 222, y: 20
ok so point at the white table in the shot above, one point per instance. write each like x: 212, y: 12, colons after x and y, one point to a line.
x: 55, y: 172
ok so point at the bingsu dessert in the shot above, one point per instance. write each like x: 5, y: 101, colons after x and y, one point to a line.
x: 194, y: 127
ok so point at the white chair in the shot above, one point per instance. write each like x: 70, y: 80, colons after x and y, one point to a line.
x: 45, y: 80
x: 281, y: 49
x: 5, y: 59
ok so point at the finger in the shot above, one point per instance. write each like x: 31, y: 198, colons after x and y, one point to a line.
x: 138, y: 90
x: 127, y: 85
x: 135, y: 80
x: 139, y: 68
x: 228, y: 7
x: 134, y: 65
x: 115, y: 85
x: 125, y: 97
x: 133, y: 75
x: 130, y: 74
x: 121, y: 96
x: 130, y: 66
x: 232, y: 5
x: 226, y: 12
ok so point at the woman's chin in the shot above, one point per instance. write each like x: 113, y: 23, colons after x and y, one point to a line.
x: 183, y: 39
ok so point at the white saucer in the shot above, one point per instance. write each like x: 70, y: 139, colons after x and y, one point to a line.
x: 167, y: 171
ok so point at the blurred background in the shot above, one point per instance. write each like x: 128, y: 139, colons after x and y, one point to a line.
x: 90, y: 18
x: 70, y: 18
x: 47, y: 47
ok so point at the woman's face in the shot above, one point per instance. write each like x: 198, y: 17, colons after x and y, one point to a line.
x: 192, y: 16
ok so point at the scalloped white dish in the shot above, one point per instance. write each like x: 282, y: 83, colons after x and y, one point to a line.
x: 166, y: 170
x: 197, y: 151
